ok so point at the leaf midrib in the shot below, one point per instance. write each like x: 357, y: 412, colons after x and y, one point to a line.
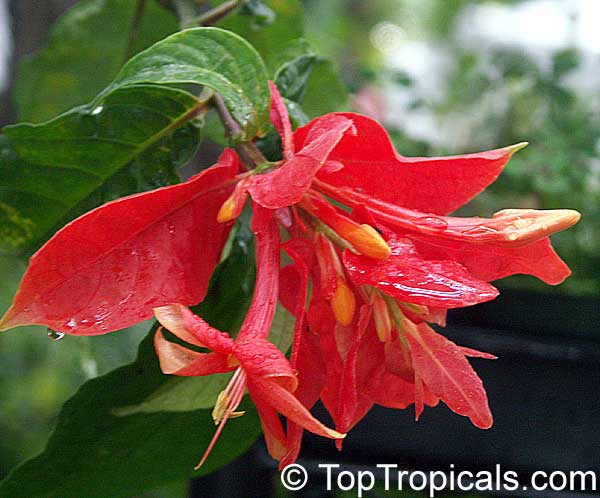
x: 428, y: 351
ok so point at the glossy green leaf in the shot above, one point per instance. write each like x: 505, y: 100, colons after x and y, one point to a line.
x: 261, y: 14
x: 297, y: 115
x: 50, y: 173
x: 212, y: 57
x: 232, y: 285
x: 86, y: 49
x: 282, y: 329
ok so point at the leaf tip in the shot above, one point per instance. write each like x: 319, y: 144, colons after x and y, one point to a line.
x: 517, y: 147
x: 8, y: 320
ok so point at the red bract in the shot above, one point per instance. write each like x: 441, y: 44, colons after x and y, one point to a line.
x: 430, y: 184
x: 288, y: 183
x: 407, y: 276
x: 107, y: 269
x: 381, y: 264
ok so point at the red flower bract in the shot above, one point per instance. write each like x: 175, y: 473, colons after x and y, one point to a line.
x: 376, y: 268
x: 107, y: 269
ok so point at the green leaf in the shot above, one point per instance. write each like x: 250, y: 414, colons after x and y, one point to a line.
x: 262, y: 15
x: 87, y: 47
x: 325, y: 91
x: 564, y: 61
x: 180, y: 394
x: 232, y: 285
x: 268, y: 38
x: 307, y: 79
x: 50, y: 173
x: 99, y: 449
x: 297, y: 115
x: 212, y: 57
x: 297, y: 61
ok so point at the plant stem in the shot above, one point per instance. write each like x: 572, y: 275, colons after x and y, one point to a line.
x: 250, y: 154
x: 187, y: 12
x: 232, y: 128
x: 135, y: 28
x: 214, y: 15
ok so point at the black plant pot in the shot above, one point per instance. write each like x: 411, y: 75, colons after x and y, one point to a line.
x: 543, y: 391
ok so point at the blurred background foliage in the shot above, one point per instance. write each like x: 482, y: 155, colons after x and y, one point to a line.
x: 442, y: 82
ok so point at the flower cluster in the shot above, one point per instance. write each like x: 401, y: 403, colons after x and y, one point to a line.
x: 374, y: 260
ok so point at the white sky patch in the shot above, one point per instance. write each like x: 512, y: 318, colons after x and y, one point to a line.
x: 428, y: 66
x: 5, y: 43
x: 588, y: 35
x: 538, y: 27
x: 538, y: 23
x: 549, y: 24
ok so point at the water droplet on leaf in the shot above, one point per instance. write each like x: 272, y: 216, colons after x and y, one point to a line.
x: 54, y: 335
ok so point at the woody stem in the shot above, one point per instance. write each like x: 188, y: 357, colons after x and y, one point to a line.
x: 249, y: 153
x: 187, y: 11
x: 232, y: 128
x: 135, y: 27
x: 218, y: 13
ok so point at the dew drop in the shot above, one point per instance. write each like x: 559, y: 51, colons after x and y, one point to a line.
x: 258, y: 359
x: 54, y: 335
x: 97, y: 110
x: 432, y: 223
